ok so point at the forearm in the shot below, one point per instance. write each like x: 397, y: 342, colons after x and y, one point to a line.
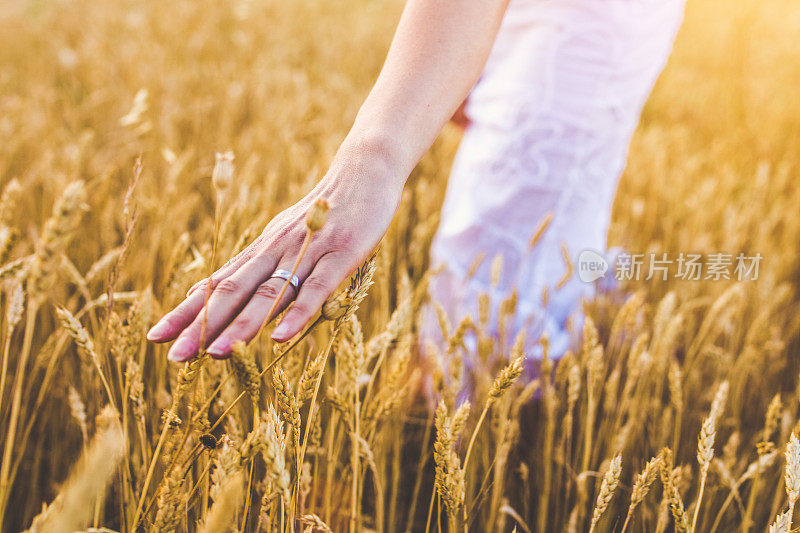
x: 437, y: 54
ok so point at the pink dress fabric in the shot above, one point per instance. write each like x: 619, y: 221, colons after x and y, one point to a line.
x: 551, y: 120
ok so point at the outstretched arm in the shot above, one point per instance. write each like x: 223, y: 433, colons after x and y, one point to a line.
x: 437, y: 54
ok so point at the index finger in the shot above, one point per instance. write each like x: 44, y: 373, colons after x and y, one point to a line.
x: 171, y: 324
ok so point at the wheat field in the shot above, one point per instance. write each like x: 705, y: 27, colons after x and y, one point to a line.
x: 677, y: 413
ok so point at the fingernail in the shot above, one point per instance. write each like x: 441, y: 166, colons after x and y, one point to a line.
x: 219, y: 348
x: 158, y: 331
x: 201, y: 283
x: 182, y: 350
x: 281, y: 332
x: 193, y: 288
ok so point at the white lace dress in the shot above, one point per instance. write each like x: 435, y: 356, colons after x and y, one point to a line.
x: 551, y: 120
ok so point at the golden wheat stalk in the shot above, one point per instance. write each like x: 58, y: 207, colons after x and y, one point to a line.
x: 246, y: 369
x: 500, y: 386
x: 288, y: 405
x: 84, y: 342
x: 705, y: 444
x: 792, y: 475
x: 607, y: 488
x: 315, y: 523
x: 641, y: 486
x: 223, y: 511
x: 72, y: 509
x: 356, y: 292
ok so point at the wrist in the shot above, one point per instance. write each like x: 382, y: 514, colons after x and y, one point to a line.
x: 373, y: 158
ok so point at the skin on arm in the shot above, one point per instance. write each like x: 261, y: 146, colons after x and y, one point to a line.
x: 437, y: 54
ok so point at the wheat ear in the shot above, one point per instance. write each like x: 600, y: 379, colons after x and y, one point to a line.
x: 607, y: 488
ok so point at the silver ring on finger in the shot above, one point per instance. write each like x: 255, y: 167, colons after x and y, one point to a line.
x: 293, y: 280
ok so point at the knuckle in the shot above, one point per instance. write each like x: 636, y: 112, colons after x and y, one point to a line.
x: 228, y: 286
x: 246, y: 255
x: 181, y: 313
x: 244, y: 324
x: 298, y: 237
x: 204, y: 284
x: 343, y: 239
x: 281, y: 234
x: 269, y: 289
x: 315, y: 284
x: 292, y: 237
x: 242, y: 257
x: 300, y: 308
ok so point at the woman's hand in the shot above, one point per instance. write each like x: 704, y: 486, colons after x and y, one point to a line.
x: 437, y: 53
x: 363, y: 200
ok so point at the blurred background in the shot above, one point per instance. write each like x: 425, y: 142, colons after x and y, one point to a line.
x: 88, y: 87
